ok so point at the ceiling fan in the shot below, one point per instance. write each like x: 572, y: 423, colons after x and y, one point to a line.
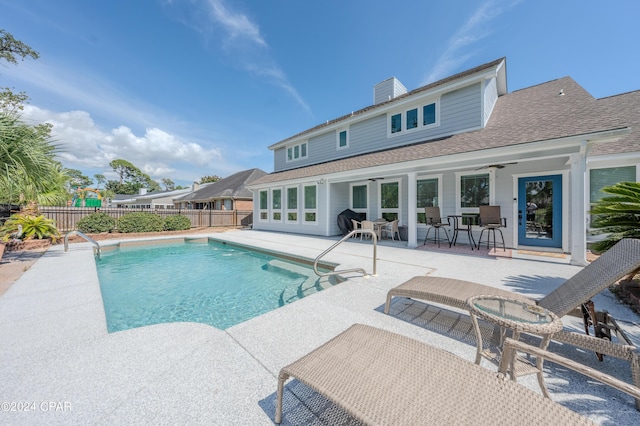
x: 496, y: 166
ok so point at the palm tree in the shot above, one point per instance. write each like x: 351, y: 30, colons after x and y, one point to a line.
x: 28, y: 168
x: 618, y: 215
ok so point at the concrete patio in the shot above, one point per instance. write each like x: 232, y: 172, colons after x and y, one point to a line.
x: 59, y: 365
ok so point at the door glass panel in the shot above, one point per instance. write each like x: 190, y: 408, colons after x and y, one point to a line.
x: 539, y: 209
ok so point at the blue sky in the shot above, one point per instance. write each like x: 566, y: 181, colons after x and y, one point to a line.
x: 189, y: 88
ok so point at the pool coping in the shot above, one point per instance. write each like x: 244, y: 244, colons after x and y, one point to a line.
x: 56, y: 347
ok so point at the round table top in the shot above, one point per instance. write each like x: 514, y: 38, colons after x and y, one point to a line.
x: 514, y: 314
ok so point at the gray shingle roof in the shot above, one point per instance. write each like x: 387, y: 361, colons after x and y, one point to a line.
x: 627, y: 107
x: 537, y: 113
x: 233, y: 186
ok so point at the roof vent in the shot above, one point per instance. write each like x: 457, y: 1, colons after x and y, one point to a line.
x: 388, y: 90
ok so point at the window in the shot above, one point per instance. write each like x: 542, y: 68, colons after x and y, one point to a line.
x: 310, y: 204
x: 396, y: 123
x: 359, y: 202
x: 292, y: 204
x: 390, y: 200
x: 474, y: 190
x: 412, y: 119
x: 343, y: 142
x: 264, y: 206
x: 276, y: 204
x: 427, y: 196
x: 297, y: 152
x: 600, y: 178
x: 429, y: 114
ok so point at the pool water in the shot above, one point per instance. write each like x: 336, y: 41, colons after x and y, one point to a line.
x: 207, y: 282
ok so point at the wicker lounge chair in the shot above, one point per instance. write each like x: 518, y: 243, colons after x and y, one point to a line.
x: 384, y: 378
x: 621, y: 260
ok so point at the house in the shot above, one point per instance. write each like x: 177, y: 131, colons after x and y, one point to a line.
x: 458, y: 143
x: 154, y: 200
x: 230, y: 193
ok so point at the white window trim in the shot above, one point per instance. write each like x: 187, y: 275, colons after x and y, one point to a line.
x: 292, y: 147
x: 305, y: 210
x: 340, y: 130
x: 272, y: 210
x: 359, y: 210
x: 297, y: 209
x: 260, y: 210
x: 492, y: 190
x: 400, y: 200
x: 403, y: 118
x: 440, y: 193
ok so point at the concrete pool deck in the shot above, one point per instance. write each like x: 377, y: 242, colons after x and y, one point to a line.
x: 58, y: 364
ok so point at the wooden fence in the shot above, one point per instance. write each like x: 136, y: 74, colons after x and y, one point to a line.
x: 66, y: 218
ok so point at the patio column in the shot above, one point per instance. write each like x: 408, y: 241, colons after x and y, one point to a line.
x: 578, y: 227
x: 412, y: 222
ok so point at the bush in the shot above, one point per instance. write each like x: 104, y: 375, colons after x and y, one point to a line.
x: 28, y: 227
x: 177, y: 222
x: 140, y: 222
x: 96, y: 223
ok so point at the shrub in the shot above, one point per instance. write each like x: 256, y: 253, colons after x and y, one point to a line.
x: 140, y: 222
x: 96, y: 223
x: 618, y: 215
x: 27, y: 227
x: 177, y: 222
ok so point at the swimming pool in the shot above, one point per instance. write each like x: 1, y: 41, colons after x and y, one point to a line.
x: 200, y: 280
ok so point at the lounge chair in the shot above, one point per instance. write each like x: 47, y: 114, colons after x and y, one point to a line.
x: 621, y: 260
x: 384, y: 378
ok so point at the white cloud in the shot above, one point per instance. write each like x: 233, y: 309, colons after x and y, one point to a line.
x: 473, y: 30
x: 244, y: 45
x: 84, y: 146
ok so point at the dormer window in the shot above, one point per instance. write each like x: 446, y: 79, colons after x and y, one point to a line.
x: 297, y: 152
x: 429, y: 114
x: 414, y: 119
x: 396, y: 123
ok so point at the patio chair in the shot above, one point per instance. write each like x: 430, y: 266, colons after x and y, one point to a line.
x: 366, y: 225
x: 384, y: 378
x: 356, y: 227
x: 621, y: 260
x: 491, y: 221
x: 391, y: 229
x: 434, y: 221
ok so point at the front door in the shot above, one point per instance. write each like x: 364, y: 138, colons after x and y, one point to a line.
x: 540, y: 211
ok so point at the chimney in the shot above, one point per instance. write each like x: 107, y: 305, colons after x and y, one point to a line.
x: 142, y: 191
x: 388, y: 90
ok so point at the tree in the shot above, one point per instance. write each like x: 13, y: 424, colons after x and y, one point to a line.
x: 100, y: 179
x: 10, y: 48
x: 131, y: 179
x: 207, y: 179
x: 618, y: 215
x: 29, y: 170
x: 77, y: 179
x: 169, y: 185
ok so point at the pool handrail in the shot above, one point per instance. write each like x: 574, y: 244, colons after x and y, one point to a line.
x: 346, y: 237
x: 96, y: 246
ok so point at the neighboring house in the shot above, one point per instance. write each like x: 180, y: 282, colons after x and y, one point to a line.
x: 458, y: 143
x: 230, y: 193
x: 153, y: 200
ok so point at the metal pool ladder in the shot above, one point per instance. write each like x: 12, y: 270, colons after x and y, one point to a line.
x: 96, y: 246
x: 346, y: 237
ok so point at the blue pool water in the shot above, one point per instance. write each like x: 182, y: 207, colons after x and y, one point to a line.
x: 208, y: 282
